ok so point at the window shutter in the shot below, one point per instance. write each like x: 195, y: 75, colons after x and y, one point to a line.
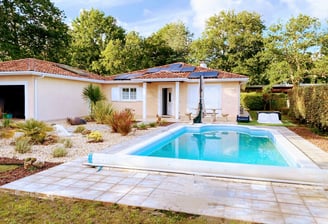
x: 139, y: 93
x: 115, y: 94
x: 192, y: 98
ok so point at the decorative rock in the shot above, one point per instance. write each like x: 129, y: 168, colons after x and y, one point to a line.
x: 61, y: 131
x: 76, y: 121
x: 38, y: 164
x: 28, y: 162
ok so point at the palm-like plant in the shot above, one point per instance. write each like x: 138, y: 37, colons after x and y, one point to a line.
x: 92, y: 94
x: 36, y: 130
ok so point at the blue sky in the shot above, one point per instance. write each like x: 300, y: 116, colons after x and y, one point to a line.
x: 147, y: 16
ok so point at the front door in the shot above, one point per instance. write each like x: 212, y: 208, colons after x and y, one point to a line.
x: 167, y: 105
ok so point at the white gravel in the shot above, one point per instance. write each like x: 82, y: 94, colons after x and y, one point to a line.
x: 80, y: 146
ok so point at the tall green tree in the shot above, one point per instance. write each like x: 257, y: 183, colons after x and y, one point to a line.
x: 32, y: 29
x: 123, y: 56
x: 232, y: 42
x: 91, y: 32
x: 290, y: 47
x: 158, y: 51
x: 177, y: 37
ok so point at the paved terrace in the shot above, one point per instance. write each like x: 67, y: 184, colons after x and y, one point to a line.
x: 257, y: 201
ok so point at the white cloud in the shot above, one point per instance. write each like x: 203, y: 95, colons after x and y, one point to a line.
x: 148, y: 26
x: 318, y: 8
x: 207, y: 8
x: 95, y: 3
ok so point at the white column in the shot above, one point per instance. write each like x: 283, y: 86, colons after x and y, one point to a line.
x: 36, y: 106
x: 144, y: 101
x: 177, y: 97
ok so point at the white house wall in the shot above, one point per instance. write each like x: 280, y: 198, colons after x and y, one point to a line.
x: 59, y: 99
x: 231, y: 99
x: 223, y: 96
x: 119, y: 104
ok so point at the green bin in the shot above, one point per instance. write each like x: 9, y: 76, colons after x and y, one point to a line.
x: 7, y: 116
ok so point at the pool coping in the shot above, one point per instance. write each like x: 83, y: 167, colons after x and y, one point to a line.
x: 308, y: 173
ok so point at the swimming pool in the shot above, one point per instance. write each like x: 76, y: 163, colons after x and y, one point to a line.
x: 298, y: 168
x: 219, y: 144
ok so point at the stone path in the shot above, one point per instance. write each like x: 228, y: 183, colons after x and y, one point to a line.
x: 234, y: 199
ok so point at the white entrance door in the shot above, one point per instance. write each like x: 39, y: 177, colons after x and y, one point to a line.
x: 167, y: 101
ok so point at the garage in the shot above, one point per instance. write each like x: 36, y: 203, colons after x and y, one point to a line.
x: 12, y: 100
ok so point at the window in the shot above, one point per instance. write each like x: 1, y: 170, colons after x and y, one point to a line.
x: 129, y: 93
x: 126, y: 93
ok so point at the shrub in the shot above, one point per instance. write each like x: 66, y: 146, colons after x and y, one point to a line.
x: 36, y: 130
x: 274, y: 101
x: 50, y: 139
x: 153, y: 124
x: 252, y: 101
x: 279, y: 101
x: 95, y: 136
x: 309, y: 104
x: 6, y: 123
x: 88, y: 118
x: 23, y: 144
x: 59, y: 152
x: 101, y: 111
x: 6, y: 133
x: 79, y: 129
x: 121, y: 122
x: 92, y: 94
x: 67, y: 143
x: 163, y: 122
x: 86, y: 132
x: 142, y: 126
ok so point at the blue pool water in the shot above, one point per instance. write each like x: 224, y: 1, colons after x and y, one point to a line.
x: 218, y: 143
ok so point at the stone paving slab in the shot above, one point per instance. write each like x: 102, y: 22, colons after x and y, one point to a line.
x: 255, y: 201
x: 228, y: 198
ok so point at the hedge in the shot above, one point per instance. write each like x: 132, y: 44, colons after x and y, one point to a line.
x: 310, y: 105
x: 252, y: 101
x: 266, y: 101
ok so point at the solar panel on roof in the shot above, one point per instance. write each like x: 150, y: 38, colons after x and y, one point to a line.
x: 126, y: 76
x: 152, y: 70
x: 211, y: 74
x: 120, y: 77
x: 174, y: 69
x: 195, y: 75
x: 188, y: 69
x: 134, y: 75
x: 175, y: 66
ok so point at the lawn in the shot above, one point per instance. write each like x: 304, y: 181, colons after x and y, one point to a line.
x: 5, y: 168
x: 25, y: 209
x: 253, y: 114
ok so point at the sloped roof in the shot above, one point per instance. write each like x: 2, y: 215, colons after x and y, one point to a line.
x: 174, y: 71
x: 36, y: 65
x: 170, y: 71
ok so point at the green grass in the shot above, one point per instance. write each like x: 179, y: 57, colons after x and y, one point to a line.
x: 286, y: 122
x: 25, y: 209
x: 4, y: 168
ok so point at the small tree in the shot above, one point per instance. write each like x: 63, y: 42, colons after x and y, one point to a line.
x: 92, y: 94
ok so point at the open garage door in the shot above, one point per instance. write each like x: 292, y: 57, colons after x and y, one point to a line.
x: 12, y: 100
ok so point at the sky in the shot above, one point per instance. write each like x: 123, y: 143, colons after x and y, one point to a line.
x: 148, y: 16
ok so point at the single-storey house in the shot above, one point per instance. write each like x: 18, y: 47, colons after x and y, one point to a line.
x: 43, y: 90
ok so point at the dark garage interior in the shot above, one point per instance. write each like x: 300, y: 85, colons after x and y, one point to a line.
x: 12, y: 100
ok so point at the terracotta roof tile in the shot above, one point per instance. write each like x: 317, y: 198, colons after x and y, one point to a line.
x: 36, y: 65
x: 163, y: 73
